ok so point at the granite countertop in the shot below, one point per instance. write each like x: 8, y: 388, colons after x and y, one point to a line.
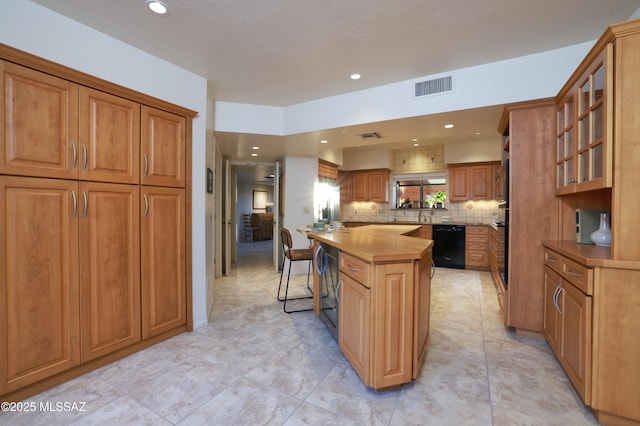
x: 376, y: 242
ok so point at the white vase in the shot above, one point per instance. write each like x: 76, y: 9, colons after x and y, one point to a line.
x: 602, y: 235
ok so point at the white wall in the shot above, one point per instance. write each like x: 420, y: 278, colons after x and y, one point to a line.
x: 35, y: 29
x: 370, y: 158
x: 300, y: 175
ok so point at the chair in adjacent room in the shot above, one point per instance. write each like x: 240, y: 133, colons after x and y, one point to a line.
x: 294, y: 255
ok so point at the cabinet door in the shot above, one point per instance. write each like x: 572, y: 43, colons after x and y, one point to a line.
x: 551, y: 316
x: 163, y: 148
x: 39, y: 295
x: 163, y: 260
x: 346, y: 187
x: 109, y: 267
x: 480, y: 184
x: 360, y: 188
x: 354, y: 312
x: 422, y: 306
x: 377, y: 186
x: 496, y: 186
x: 459, y: 183
x: 392, y: 316
x: 576, y: 339
x: 39, y: 124
x: 109, y: 137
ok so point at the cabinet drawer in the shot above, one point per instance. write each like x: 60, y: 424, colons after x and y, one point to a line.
x: 477, y: 238
x: 356, y: 268
x: 477, y: 230
x: 578, y: 275
x: 476, y: 258
x: 482, y: 246
x: 553, y: 260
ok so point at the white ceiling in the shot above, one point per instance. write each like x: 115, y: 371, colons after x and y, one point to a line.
x: 283, y: 52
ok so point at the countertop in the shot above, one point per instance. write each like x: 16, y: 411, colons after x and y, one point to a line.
x: 590, y: 255
x: 376, y: 242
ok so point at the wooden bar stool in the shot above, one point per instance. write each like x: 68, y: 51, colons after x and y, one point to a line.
x: 294, y: 255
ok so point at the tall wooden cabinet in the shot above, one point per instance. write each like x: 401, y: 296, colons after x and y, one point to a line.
x: 471, y: 181
x: 595, y: 327
x: 532, y: 210
x: 95, y: 244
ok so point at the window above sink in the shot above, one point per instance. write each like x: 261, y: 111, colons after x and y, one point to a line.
x: 411, y: 190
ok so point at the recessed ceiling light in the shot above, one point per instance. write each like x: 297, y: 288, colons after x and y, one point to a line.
x: 324, y: 141
x: 448, y: 126
x: 416, y: 144
x: 255, y: 147
x: 157, y: 6
x: 254, y: 155
x: 414, y: 140
x: 355, y: 76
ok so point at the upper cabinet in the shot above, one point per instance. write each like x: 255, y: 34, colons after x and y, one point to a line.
x: 365, y: 185
x: 39, y: 125
x: 163, y: 148
x: 109, y: 145
x: 584, y: 115
x: 471, y: 181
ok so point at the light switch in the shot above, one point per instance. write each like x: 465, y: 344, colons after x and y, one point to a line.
x: 306, y: 210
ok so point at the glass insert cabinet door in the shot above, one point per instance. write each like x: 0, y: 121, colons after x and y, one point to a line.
x: 411, y: 191
x: 584, y: 138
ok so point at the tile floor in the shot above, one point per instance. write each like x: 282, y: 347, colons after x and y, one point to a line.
x: 255, y: 365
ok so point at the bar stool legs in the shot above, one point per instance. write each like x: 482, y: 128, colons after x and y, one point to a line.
x: 286, y: 291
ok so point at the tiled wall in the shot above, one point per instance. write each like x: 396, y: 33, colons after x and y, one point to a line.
x: 420, y: 160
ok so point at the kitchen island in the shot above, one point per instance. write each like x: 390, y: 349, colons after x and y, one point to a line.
x: 384, y: 294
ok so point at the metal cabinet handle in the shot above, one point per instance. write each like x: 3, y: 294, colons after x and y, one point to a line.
x: 146, y: 163
x: 75, y: 155
x: 560, y: 290
x: 353, y: 268
x: 574, y: 274
x: 555, y: 298
x: 338, y: 292
x: 84, y: 155
x: 84, y: 196
x: 552, y: 260
x: 75, y: 204
x: 146, y: 205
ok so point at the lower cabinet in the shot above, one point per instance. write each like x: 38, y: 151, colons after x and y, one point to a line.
x: 163, y: 260
x: 353, y: 335
x: 567, y: 328
x: 109, y: 267
x: 476, y: 247
x: 592, y: 323
x: 81, y: 278
x: 39, y: 286
x: 384, y: 318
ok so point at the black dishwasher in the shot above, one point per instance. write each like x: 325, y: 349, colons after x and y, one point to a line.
x: 448, y: 246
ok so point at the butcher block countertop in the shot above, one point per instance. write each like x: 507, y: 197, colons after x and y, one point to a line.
x: 376, y: 243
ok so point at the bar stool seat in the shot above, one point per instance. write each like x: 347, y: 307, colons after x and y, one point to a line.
x: 294, y: 255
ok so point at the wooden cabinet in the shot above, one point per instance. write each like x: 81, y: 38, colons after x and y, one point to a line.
x: 163, y: 148
x: 365, y: 185
x: 476, y: 247
x: 353, y: 334
x: 532, y: 212
x: 109, y: 144
x: 163, y: 260
x: 39, y: 124
x: 384, y: 318
x: 76, y: 291
x: 496, y: 265
x: 109, y: 267
x: 497, y: 189
x: 327, y: 169
x: 471, y: 182
x: 567, y: 319
x: 584, y: 120
x: 39, y: 287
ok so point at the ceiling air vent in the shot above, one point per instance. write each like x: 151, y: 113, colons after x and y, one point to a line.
x: 374, y: 135
x: 434, y: 87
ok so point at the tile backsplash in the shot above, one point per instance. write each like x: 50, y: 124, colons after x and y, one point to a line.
x: 458, y: 212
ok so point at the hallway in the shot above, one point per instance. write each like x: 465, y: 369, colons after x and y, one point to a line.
x: 255, y: 365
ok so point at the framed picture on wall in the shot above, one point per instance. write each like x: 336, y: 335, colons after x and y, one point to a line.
x: 209, y: 181
x: 260, y: 199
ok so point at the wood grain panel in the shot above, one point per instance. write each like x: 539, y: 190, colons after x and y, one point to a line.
x: 163, y: 148
x: 39, y: 302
